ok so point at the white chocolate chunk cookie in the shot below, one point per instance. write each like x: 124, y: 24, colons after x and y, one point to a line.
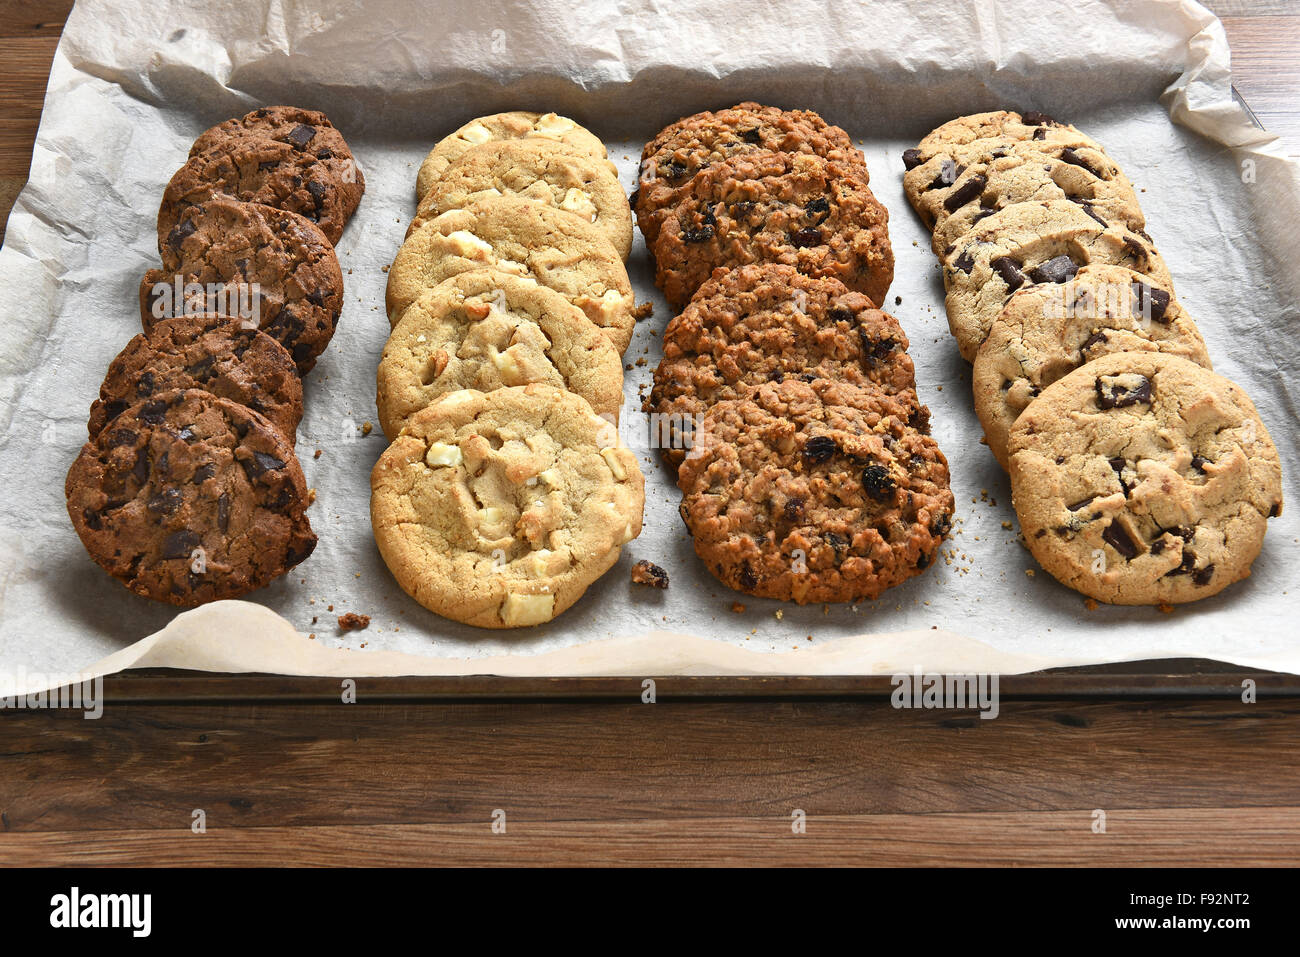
x: 525, y: 238
x: 487, y: 330
x: 498, y: 509
x: 503, y: 126
x: 542, y: 170
x: 1048, y: 330
x: 1143, y: 478
x: 1033, y: 242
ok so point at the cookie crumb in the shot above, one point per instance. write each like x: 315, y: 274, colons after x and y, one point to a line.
x: 779, y: 614
x: 353, y: 622
x: 1029, y: 572
x: 643, y: 311
x: 367, y: 428
x: 1166, y: 607
x: 738, y: 608
x: 648, y: 573
x: 1090, y: 604
x: 317, y: 453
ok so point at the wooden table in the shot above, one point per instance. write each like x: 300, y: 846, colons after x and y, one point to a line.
x: 1183, y: 780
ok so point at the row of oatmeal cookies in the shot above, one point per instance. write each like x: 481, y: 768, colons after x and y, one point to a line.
x: 1138, y: 474
x: 786, y: 398
x: 189, y: 489
x: 506, y: 492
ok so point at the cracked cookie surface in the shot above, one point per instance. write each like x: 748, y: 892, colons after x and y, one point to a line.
x: 1143, y: 478
x: 518, y: 236
x: 542, y: 170
x: 188, y: 498
x: 814, y: 492
x: 513, y: 125
x: 763, y: 323
x: 487, y: 330
x: 798, y: 209
x: 1048, y: 330
x: 499, y: 509
x: 265, y: 264
x: 979, y: 132
x: 213, y: 353
x: 1033, y: 242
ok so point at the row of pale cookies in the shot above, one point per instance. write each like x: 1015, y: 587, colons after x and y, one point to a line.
x: 1139, y: 475
x: 505, y: 491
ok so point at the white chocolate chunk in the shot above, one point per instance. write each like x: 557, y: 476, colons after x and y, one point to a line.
x: 522, y: 610
x: 578, y: 201
x: 466, y: 244
x: 477, y: 133
x: 552, y: 124
x: 441, y: 453
x: 611, y: 458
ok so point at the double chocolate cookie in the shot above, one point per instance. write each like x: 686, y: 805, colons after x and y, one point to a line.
x: 270, y: 268
x: 188, y: 498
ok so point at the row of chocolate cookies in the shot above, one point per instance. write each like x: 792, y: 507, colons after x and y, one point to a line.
x: 1138, y: 474
x: 786, y: 398
x: 505, y: 492
x: 189, y: 489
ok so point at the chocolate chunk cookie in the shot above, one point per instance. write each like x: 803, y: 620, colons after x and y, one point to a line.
x: 814, y: 492
x: 487, y: 330
x: 1143, y: 478
x: 1047, y: 330
x: 517, y: 124
x: 765, y: 323
x: 979, y: 132
x: 189, y: 498
x: 307, y: 131
x: 516, y: 235
x: 265, y: 266
x: 670, y: 161
x: 542, y: 170
x: 258, y: 170
x: 1027, y: 243
x: 213, y: 353
x: 499, y: 508
x: 793, y: 208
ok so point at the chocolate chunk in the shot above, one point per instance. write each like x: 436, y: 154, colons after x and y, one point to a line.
x: 1009, y: 270
x: 267, y: 463
x: 878, y: 483
x: 1035, y: 118
x: 181, y: 230
x: 748, y: 580
x: 648, y: 573
x: 818, y: 205
x: 1059, y: 269
x: 948, y: 173
x: 1096, y: 339
x: 223, y: 512
x: 1097, y: 217
x: 203, y: 473
x: 180, y: 544
x: 969, y: 190
x: 753, y: 136
x: 819, y: 448
x: 152, y: 413
x: 1151, y: 302
x: 965, y: 262
x: 165, y: 502
x: 300, y: 136
x: 808, y: 236
x: 1118, y: 538
x: 1202, y: 576
x: 1199, y: 462
x: 1074, y: 159
x: 911, y: 158
x: 1118, y: 465
x: 1082, y: 504
x: 317, y: 191
x: 1114, y: 392
x: 1139, y: 252
x: 1040, y: 134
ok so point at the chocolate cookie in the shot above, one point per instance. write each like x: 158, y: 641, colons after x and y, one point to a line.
x: 267, y: 267
x: 765, y: 323
x: 213, y: 353
x: 259, y: 170
x: 307, y: 131
x: 814, y: 492
x: 670, y: 161
x: 1033, y: 242
x: 1142, y: 478
x: 1047, y: 330
x: 793, y: 208
x: 188, y: 498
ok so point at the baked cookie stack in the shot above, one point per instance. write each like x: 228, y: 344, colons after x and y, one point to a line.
x: 1138, y: 474
x: 189, y: 489
x: 506, y: 492
x: 786, y: 398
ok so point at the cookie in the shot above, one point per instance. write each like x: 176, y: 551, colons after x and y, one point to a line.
x: 518, y: 236
x: 307, y: 131
x: 793, y: 208
x: 1047, y: 330
x: 1143, y: 478
x: 982, y: 131
x: 212, y: 353
x: 515, y: 125
x: 814, y: 492
x: 499, y: 508
x: 265, y: 266
x: 541, y: 170
x: 258, y: 170
x: 487, y: 330
x: 764, y: 323
x: 189, y: 498
x: 1033, y: 242
x: 670, y: 161
x: 963, y: 195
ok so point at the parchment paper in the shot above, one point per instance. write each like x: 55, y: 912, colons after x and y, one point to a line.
x: 134, y: 82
